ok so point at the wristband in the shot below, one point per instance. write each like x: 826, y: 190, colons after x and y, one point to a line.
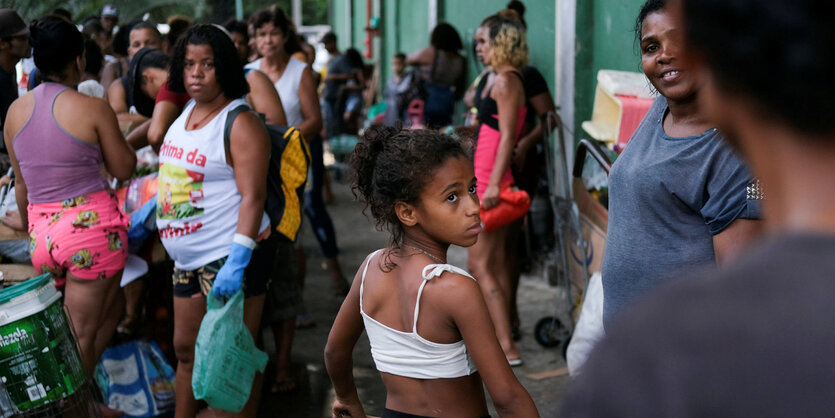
x: 244, y: 240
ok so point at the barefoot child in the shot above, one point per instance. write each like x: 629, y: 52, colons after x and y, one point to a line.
x: 420, y: 186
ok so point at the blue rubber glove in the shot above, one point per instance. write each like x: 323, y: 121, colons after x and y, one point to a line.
x: 230, y: 276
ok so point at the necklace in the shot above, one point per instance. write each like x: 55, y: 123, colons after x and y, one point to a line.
x: 194, y: 125
x: 426, y: 253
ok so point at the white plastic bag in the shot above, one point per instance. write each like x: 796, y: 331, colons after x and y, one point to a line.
x: 589, y: 329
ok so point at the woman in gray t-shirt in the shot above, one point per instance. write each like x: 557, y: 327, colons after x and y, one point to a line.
x: 679, y: 196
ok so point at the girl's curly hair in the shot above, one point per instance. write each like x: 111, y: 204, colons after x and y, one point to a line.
x: 391, y: 165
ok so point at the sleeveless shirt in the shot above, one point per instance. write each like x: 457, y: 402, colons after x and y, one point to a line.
x: 55, y: 164
x: 407, y: 353
x: 288, y: 88
x: 198, y: 199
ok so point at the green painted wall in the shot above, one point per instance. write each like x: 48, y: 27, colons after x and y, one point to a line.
x: 540, y: 17
x: 338, y: 10
x: 389, y: 35
x: 603, y: 28
x: 605, y: 40
x: 404, y: 27
x: 460, y: 14
x: 359, y: 23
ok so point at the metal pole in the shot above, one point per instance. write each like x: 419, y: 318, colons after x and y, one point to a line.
x: 239, y: 9
x: 565, y: 25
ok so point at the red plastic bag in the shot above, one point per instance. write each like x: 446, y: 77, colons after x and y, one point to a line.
x: 513, y: 204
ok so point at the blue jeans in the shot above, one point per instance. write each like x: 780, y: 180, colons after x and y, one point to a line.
x: 334, y: 124
x: 314, y: 206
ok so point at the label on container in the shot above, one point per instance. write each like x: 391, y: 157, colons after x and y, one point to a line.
x: 39, y: 362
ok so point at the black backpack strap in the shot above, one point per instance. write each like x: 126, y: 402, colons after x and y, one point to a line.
x: 230, y: 119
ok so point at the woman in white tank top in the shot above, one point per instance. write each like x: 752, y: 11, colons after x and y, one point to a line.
x: 211, y: 199
x: 292, y: 78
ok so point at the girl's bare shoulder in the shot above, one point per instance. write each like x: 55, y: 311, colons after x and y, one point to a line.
x: 453, y: 289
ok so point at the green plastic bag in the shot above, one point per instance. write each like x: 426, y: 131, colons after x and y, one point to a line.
x: 225, y: 356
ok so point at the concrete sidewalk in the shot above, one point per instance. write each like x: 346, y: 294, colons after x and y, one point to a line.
x: 357, y: 238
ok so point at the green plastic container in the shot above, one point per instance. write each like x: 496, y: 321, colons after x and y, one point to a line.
x: 39, y: 361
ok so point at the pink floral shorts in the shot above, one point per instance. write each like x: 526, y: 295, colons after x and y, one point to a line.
x: 85, y: 236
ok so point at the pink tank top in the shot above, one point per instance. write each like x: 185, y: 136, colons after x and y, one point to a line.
x: 55, y: 165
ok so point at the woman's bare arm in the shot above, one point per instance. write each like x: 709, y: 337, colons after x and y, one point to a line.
x: 12, y: 126
x: 309, y: 101
x: 345, y: 332
x: 165, y: 113
x: 117, y: 98
x: 119, y: 157
x: 730, y: 243
x: 265, y: 99
x: 424, y: 56
x: 138, y: 137
x: 464, y: 302
x: 249, y: 151
x: 110, y: 73
x: 541, y: 105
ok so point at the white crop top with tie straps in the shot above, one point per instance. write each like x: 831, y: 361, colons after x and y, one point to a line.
x: 407, y: 353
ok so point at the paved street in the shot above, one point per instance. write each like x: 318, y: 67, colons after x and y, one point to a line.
x: 357, y: 237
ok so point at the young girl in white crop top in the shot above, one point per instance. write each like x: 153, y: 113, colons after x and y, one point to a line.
x: 431, y: 335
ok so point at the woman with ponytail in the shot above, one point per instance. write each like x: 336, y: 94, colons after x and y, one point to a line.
x: 58, y: 139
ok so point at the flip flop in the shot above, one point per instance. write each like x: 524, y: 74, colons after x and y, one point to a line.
x: 513, y: 362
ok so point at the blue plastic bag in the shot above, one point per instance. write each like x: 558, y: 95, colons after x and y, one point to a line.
x: 136, y: 379
x: 225, y: 356
x: 142, y: 223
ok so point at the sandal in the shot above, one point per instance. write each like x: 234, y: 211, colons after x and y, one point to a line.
x: 283, y: 385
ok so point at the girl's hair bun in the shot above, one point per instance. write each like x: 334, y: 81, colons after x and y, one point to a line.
x: 391, y: 165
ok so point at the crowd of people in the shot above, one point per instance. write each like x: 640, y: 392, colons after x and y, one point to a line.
x: 746, y: 336
x: 172, y: 93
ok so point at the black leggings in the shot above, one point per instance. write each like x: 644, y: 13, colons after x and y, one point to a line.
x: 314, y: 206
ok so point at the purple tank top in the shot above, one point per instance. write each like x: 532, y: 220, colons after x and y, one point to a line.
x: 55, y: 165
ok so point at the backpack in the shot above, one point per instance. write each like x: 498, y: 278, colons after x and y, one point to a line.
x: 286, y: 175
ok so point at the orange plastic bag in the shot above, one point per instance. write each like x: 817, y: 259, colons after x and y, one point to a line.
x: 513, y: 204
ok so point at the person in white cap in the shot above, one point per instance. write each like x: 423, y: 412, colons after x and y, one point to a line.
x: 109, y: 17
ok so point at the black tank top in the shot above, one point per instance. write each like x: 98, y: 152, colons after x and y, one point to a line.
x: 487, y: 107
